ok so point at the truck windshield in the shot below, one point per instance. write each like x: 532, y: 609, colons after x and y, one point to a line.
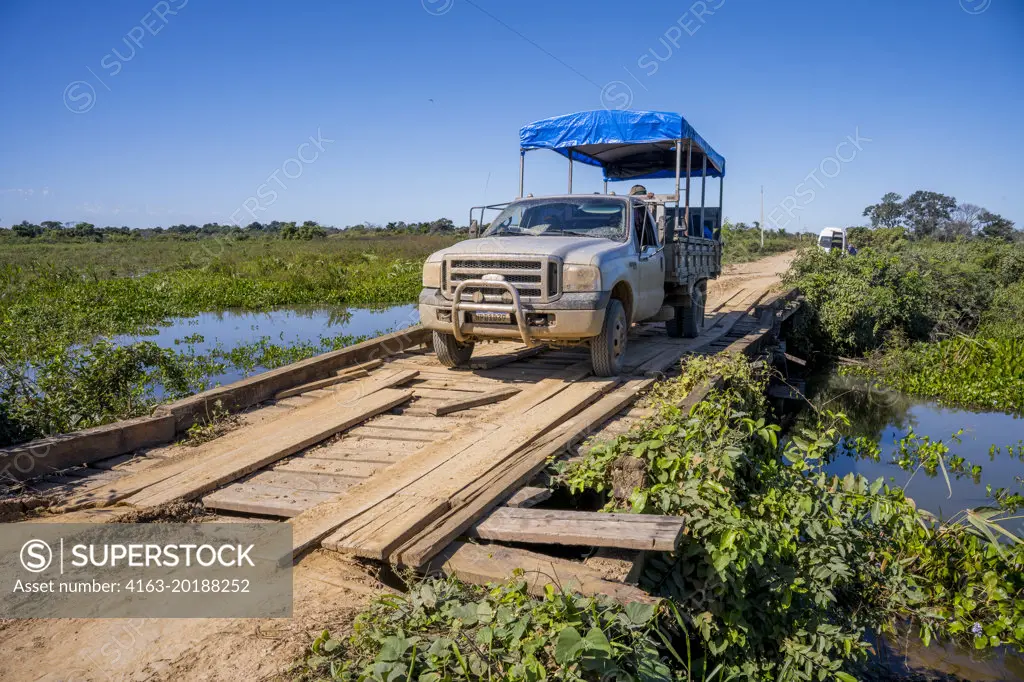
x: 582, y: 217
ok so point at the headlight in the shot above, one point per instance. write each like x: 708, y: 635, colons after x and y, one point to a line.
x: 432, y: 274
x: 581, y: 278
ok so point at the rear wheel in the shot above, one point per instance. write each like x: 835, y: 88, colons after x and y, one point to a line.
x: 688, y: 320
x: 693, y: 315
x: 608, y: 348
x: 450, y: 352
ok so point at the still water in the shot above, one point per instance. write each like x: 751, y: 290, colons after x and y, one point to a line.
x: 229, y: 329
x: 886, y: 416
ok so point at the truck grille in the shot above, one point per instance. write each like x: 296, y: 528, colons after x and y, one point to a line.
x: 536, y: 279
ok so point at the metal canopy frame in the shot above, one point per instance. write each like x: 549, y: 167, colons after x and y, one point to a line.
x: 677, y: 149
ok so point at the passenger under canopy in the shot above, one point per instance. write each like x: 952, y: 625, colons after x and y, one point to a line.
x: 626, y: 145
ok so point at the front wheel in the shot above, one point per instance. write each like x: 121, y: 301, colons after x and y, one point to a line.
x: 450, y: 352
x: 608, y: 348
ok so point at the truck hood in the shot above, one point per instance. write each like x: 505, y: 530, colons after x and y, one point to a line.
x: 578, y: 250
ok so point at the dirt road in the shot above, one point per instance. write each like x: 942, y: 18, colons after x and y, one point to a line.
x: 328, y: 591
x: 755, y: 276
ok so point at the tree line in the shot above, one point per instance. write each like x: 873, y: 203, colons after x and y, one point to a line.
x: 307, y: 230
x: 936, y: 215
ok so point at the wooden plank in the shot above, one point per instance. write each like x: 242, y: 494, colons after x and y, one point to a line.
x: 496, y: 564
x: 242, y: 439
x: 310, y: 527
x: 592, y: 529
x: 322, y: 383
x: 123, y: 462
x: 301, y: 480
x: 729, y: 298
x: 519, y: 373
x: 346, y: 450
x: 800, y: 362
x: 640, y: 351
x: 492, y: 361
x: 779, y: 298
x: 476, y: 401
x: 331, y: 467
x: 666, y: 359
x: 402, y: 421
x: 360, y: 367
x: 752, y: 342
x: 56, y: 453
x: 455, y: 386
x: 488, y: 490
x: 451, y: 377
x: 528, y: 497
x: 376, y: 533
x: 248, y: 498
x: 393, y: 434
x: 446, y: 394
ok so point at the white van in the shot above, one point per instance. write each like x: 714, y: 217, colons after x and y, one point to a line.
x: 833, y: 238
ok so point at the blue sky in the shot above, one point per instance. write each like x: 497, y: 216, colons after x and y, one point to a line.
x: 414, y: 105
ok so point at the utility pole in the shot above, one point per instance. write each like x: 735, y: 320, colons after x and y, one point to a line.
x: 762, y: 216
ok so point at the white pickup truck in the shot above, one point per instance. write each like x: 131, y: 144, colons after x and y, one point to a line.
x: 582, y: 268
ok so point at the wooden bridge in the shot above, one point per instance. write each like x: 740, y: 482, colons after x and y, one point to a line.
x: 380, y: 452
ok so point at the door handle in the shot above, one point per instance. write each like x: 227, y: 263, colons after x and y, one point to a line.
x: 632, y: 264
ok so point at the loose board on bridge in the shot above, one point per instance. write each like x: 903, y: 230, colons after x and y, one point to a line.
x: 588, y: 529
x: 485, y: 564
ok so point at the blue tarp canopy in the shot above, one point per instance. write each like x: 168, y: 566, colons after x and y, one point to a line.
x: 627, y: 145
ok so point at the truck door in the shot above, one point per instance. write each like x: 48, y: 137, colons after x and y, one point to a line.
x: 651, y: 279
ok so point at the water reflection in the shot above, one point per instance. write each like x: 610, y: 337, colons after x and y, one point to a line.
x: 229, y: 328
x: 885, y: 416
x: 220, y: 332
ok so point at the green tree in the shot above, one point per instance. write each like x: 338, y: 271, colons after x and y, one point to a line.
x: 928, y: 212
x: 995, y: 226
x: 887, y: 213
x: 289, y: 231
x: 27, y: 229
x: 84, y: 230
x: 311, y: 230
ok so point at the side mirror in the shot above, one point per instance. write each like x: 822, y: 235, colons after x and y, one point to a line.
x: 474, y: 229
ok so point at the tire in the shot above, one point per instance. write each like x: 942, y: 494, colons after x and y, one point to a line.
x: 608, y: 348
x: 693, y: 315
x: 450, y: 352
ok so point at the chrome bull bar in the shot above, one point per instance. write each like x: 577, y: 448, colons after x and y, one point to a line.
x: 514, y: 308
